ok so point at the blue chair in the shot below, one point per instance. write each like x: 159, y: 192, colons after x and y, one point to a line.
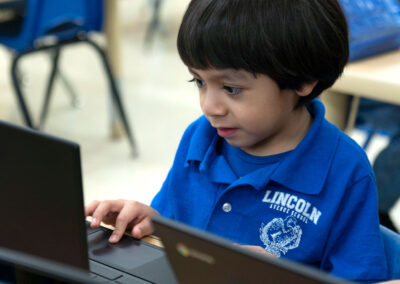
x: 374, y: 26
x: 48, y: 25
x: 391, y: 242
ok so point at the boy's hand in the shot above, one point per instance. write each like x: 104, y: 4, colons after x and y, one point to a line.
x: 122, y: 214
x: 257, y: 249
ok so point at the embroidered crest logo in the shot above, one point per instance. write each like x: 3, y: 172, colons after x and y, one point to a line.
x: 280, y: 235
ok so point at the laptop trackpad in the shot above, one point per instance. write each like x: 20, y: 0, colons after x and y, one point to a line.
x: 126, y: 255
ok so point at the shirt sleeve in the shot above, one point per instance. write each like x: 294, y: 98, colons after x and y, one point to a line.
x: 161, y: 202
x: 165, y: 201
x: 355, y: 249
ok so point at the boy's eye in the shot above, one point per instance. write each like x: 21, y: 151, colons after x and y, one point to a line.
x: 199, y: 83
x: 232, y: 90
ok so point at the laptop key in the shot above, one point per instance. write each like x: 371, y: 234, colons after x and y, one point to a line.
x: 127, y: 279
x: 105, y: 271
x: 98, y: 278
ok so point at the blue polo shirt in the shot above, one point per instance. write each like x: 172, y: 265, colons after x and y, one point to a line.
x: 316, y: 205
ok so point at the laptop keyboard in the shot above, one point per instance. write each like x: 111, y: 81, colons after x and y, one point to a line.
x: 90, y: 230
x: 102, y: 270
x: 105, y: 274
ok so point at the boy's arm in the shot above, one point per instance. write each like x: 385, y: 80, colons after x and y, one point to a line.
x: 164, y: 201
x: 257, y: 249
x: 355, y: 249
x: 123, y: 215
x: 161, y: 201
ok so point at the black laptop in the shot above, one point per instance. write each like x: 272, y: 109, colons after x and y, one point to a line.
x: 18, y: 267
x: 42, y: 212
x: 200, y: 257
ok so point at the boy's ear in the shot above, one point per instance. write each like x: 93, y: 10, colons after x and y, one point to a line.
x: 306, y: 88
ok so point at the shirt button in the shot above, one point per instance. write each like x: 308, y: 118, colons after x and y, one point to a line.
x: 227, y: 207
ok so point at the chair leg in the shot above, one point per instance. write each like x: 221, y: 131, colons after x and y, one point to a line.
x: 53, y: 73
x: 18, y: 91
x: 154, y: 23
x: 116, y: 98
x: 75, y: 100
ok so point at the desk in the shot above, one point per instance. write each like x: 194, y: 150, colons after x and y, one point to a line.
x: 375, y: 78
x: 149, y: 239
x: 113, y: 39
x: 113, y: 36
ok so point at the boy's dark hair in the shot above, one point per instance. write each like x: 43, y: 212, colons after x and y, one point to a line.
x: 291, y: 41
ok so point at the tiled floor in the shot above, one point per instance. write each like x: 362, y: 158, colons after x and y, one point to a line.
x: 159, y: 100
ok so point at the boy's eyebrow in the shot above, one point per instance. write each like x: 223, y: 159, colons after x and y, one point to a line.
x: 228, y: 75
x: 192, y: 72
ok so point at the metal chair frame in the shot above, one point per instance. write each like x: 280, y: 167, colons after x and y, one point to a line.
x: 57, y: 48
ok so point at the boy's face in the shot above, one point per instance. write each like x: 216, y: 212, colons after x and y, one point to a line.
x: 251, y: 112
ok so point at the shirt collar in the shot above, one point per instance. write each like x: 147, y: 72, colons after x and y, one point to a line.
x: 203, y: 144
x: 304, y: 170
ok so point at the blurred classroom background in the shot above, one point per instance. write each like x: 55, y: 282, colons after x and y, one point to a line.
x: 159, y: 101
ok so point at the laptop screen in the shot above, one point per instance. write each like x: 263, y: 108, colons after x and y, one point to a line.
x: 41, y: 196
x: 200, y: 257
x: 17, y: 267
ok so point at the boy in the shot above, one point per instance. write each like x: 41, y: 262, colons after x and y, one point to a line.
x: 263, y: 167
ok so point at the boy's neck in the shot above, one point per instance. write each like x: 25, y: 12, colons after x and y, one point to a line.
x: 288, y: 138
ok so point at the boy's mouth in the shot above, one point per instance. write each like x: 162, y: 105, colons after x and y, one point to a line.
x: 226, y: 132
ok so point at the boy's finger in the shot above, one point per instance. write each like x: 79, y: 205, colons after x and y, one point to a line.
x: 125, y: 217
x: 103, y: 209
x: 89, y: 209
x: 115, y: 237
x: 142, y: 229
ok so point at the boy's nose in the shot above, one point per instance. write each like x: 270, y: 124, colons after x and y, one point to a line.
x: 212, y: 104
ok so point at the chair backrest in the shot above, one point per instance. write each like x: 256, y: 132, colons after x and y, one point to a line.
x: 374, y: 26
x: 20, y: 42
x: 62, y: 19
x: 94, y: 15
x: 391, y: 242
